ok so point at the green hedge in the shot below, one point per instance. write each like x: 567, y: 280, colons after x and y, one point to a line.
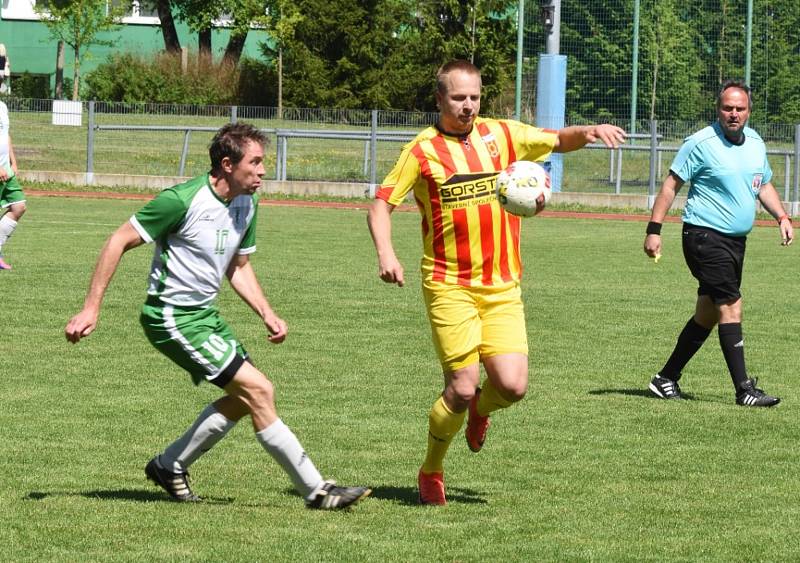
x: 129, y: 78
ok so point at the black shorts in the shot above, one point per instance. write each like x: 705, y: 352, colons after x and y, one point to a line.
x: 716, y: 260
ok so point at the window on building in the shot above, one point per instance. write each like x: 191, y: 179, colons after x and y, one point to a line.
x: 146, y: 9
x: 137, y: 11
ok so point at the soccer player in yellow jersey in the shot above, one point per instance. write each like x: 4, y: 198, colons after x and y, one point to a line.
x: 471, y: 264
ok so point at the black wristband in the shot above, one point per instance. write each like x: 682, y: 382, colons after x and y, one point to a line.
x: 653, y: 228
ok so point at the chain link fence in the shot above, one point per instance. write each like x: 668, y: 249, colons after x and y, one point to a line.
x: 667, y: 60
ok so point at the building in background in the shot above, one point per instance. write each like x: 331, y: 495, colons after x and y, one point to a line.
x: 32, y: 51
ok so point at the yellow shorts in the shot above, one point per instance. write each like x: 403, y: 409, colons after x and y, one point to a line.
x: 471, y: 323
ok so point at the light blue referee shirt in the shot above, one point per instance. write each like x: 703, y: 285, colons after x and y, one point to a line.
x: 725, y: 178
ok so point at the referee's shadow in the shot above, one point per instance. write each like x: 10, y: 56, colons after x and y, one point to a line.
x: 637, y: 393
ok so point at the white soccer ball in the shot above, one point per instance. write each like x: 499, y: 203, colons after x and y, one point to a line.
x: 520, y: 185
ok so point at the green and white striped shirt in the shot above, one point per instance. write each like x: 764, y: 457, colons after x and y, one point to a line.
x: 197, y: 234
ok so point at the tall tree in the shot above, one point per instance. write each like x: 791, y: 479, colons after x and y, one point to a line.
x: 776, y: 61
x: 483, y: 32
x: 199, y: 15
x: 172, y: 43
x: 670, y: 63
x: 596, y: 37
x: 280, y: 19
x: 718, y: 28
x: 244, y: 14
x: 383, y: 53
x: 59, y: 70
x: 77, y: 23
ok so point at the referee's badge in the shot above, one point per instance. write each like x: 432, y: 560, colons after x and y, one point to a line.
x: 756, y: 185
x: 491, y: 145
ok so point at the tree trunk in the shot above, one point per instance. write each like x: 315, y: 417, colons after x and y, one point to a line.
x: 280, y: 83
x: 76, y: 76
x: 60, y: 71
x: 233, y: 52
x: 171, y: 42
x: 204, y: 44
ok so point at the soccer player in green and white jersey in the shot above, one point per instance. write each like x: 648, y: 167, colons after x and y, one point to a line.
x: 204, y: 230
x: 12, y: 200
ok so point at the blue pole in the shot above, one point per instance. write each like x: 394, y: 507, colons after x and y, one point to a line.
x: 551, y: 95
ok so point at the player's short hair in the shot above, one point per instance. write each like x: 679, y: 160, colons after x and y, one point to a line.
x: 447, y: 68
x: 735, y: 83
x: 231, y: 141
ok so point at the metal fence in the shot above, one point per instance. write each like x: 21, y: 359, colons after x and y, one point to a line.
x: 323, y: 145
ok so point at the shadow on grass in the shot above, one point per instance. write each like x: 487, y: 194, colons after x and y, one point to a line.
x: 410, y: 497
x: 635, y: 393
x: 120, y: 494
x: 404, y: 495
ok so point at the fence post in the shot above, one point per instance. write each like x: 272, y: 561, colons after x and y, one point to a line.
x: 651, y: 186
x: 660, y: 164
x: 90, y: 146
x: 284, y: 155
x: 787, y: 176
x: 611, y: 155
x: 796, y: 169
x: 184, y: 152
x: 618, y: 181
x: 234, y: 111
x: 373, y: 154
x: 278, y: 151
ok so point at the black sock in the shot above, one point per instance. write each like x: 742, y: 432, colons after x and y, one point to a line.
x: 732, y: 344
x: 689, y: 342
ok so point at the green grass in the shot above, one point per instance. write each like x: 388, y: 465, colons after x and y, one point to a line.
x: 587, y: 467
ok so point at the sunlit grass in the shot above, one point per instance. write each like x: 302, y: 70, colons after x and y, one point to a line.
x: 587, y: 467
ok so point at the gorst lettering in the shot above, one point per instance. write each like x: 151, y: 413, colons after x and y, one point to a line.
x: 467, y: 190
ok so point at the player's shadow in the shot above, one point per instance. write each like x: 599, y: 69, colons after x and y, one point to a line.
x: 635, y: 393
x: 410, y: 497
x: 136, y: 495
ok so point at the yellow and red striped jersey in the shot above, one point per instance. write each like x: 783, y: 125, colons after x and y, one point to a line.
x: 468, y: 238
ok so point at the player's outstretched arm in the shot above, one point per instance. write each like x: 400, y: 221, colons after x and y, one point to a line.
x: 379, y: 220
x: 577, y: 136
x: 244, y: 282
x: 772, y: 203
x: 84, y: 323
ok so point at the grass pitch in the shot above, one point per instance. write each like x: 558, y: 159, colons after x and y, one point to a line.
x: 588, y: 467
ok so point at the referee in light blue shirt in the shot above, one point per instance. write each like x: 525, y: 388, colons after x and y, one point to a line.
x: 727, y: 166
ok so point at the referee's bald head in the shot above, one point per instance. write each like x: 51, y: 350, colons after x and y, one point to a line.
x: 741, y: 85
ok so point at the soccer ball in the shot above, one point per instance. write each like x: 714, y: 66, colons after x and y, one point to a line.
x: 519, y: 186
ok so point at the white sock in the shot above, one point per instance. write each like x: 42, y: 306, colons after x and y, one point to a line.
x: 7, y: 226
x: 285, y: 448
x: 209, y: 428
